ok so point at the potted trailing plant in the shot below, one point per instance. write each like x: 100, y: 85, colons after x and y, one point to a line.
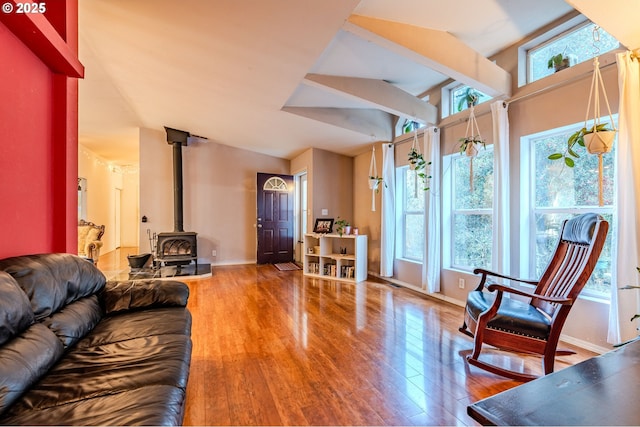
x: 410, y: 126
x: 469, y: 145
x: 416, y: 160
x: 342, y: 226
x: 470, y: 98
x: 635, y: 316
x: 374, y: 183
x: 598, y: 139
x: 418, y: 164
x: 470, y: 142
x: 559, y: 62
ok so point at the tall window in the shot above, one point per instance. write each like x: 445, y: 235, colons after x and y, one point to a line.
x: 410, y: 233
x: 553, y: 192
x: 469, y: 210
x: 577, y: 44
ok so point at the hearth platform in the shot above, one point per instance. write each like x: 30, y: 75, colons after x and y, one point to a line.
x: 165, y: 272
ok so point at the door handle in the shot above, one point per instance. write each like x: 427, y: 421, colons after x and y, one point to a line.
x: 259, y: 225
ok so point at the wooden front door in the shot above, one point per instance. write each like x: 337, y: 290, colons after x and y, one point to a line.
x: 275, y: 218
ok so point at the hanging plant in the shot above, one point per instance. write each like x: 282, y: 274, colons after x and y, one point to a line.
x: 469, y: 98
x: 409, y: 126
x: 470, y: 143
x: 374, y: 183
x: 418, y: 164
x: 374, y: 179
x: 599, y: 138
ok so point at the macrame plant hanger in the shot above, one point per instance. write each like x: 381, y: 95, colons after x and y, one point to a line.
x: 374, y: 179
x: 415, y: 145
x: 598, y: 142
x: 471, y: 149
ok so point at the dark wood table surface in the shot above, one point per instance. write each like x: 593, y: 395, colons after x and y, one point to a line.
x: 604, y: 390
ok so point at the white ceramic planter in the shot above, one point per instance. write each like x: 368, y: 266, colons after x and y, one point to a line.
x: 373, y: 184
x: 472, y: 150
x: 599, y: 142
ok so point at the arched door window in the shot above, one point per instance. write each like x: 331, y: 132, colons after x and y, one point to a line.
x: 275, y: 184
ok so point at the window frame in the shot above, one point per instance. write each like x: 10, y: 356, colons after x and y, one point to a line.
x: 525, y: 66
x: 448, y: 107
x: 529, y: 210
x: 401, y: 216
x: 450, y: 212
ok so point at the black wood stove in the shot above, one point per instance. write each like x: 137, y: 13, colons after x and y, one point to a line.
x: 177, y: 247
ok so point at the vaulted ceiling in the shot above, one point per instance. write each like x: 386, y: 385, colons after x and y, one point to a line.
x: 280, y: 76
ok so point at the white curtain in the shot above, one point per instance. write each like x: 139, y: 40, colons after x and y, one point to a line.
x: 626, y: 254
x: 431, y: 256
x: 388, y: 214
x: 501, y: 218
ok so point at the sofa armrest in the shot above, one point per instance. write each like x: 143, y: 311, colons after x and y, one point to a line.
x: 140, y: 294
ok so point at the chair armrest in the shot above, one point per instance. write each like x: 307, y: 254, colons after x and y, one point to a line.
x: 486, y: 273
x: 140, y: 294
x: 92, y: 245
x: 501, y: 288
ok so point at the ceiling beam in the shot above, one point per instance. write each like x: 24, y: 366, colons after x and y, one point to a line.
x: 613, y: 16
x: 377, y: 94
x: 434, y: 49
x: 374, y: 123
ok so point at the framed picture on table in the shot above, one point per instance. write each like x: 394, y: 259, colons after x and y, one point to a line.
x: 323, y: 225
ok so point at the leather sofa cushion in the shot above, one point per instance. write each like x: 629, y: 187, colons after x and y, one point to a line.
x: 75, y: 320
x: 513, y: 315
x: 52, y: 281
x: 106, y: 370
x: 130, y: 295
x: 157, y: 405
x: 24, y: 360
x: 15, y: 311
x: 138, y: 324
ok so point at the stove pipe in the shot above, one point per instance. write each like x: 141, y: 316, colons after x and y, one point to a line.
x: 177, y: 138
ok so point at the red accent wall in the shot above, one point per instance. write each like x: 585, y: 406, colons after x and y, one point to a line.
x: 38, y: 140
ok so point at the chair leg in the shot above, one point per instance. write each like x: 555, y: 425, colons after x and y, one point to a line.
x: 548, y: 360
x: 473, y: 358
x: 465, y: 330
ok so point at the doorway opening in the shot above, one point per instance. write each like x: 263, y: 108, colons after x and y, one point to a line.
x: 301, y: 213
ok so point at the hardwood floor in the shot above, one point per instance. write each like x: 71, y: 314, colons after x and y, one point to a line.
x: 276, y: 348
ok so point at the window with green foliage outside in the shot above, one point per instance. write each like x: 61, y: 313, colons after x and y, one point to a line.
x: 472, y: 210
x: 577, y: 44
x: 410, y: 233
x: 558, y: 192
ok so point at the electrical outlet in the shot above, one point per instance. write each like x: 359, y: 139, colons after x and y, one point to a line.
x: 461, y: 283
x: 214, y: 253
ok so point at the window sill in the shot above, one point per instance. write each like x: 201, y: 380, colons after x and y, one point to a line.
x: 410, y: 261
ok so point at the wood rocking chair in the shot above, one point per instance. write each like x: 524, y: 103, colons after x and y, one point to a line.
x: 534, y: 326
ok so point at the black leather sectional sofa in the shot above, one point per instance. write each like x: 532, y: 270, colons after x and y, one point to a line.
x: 76, y: 350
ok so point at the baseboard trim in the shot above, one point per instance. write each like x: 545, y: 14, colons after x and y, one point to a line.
x: 567, y: 339
x: 584, y: 344
x: 229, y: 263
x: 418, y: 289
